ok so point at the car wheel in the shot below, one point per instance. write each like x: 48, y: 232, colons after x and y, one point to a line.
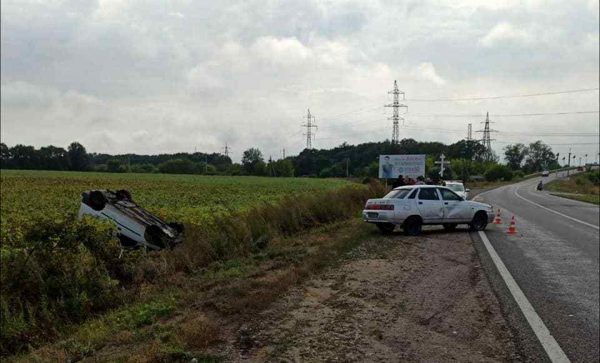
x: 386, y: 228
x: 412, y: 226
x: 155, y: 236
x: 123, y: 194
x: 97, y: 200
x: 449, y: 226
x: 479, y: 221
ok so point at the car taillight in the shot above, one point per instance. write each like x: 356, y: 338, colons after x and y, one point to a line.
x: 379, y: 206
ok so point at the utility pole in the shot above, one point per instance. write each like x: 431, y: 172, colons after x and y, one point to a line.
x: 569, y: 164
x: 396, y: 115
x: 310, y: 119
x: 347, y: 167
x: 486, y: 141
x: 469, y: 132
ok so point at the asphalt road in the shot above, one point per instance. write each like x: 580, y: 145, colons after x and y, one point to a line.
x: 554, y: 259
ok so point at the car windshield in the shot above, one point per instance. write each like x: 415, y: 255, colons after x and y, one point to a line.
x: 456, y: 187
x: 397, y: 194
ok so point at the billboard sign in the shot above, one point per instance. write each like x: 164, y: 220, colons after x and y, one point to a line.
x: 390, y: 166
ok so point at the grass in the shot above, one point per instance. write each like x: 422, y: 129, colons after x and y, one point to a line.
x: 183, y: 316
x: 59, y: 272
x: 584, y: 187
x: 28, y: 197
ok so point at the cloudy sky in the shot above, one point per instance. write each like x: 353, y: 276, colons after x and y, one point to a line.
x: 170, y: 76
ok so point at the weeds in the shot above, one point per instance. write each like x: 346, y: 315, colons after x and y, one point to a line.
x: 71, y: 271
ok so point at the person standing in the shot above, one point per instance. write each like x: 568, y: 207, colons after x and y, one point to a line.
x: 400, y: 182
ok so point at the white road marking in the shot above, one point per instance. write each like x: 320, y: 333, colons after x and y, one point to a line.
x: 554, y: 351
x: 555, y: 212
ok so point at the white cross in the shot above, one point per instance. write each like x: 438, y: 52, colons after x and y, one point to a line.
x: 442, y: 158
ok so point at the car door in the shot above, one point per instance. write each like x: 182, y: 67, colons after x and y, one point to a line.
x: 455, y: 209
x: 430, y: 205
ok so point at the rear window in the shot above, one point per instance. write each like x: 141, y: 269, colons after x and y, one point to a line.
x: 397, y: 194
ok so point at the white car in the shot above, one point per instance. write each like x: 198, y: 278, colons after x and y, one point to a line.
x: 458, y: 188
x: 545, y: 173
x: 136, y: 226
x: 413, y: 206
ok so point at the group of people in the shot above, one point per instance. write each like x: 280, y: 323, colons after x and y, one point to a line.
x: 401, y: 181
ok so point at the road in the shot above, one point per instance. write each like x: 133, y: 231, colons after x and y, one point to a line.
x: 554, y: 259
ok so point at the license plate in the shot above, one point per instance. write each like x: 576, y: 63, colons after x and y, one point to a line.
x: 372, y: 214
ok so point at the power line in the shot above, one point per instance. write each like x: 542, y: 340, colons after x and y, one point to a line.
x: 504, y: 96
x: 503, y: 115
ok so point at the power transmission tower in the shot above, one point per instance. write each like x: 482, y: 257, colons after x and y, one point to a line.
x: 226, y: 150
x: 486, y: 140
x: 283, y: 153
x: 469, y: 132
x: 396, y: 115
x: 310, y: 119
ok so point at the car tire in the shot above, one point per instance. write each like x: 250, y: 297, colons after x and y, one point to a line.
x: 479, y: 222
x: 123, y: 194
x: 386, y: 228
x: 449, y: 226
x: 412, y: 226
x: 97, y: 200
x: 154, y: 235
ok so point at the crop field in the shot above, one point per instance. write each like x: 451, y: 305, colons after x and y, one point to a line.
x: 29, y: 197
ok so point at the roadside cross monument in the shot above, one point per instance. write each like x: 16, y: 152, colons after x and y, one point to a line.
x: 441, y: 162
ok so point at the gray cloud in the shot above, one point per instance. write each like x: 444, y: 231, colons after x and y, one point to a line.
x: 152, y: 76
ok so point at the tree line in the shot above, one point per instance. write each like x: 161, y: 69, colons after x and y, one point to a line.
x: 467, y: 159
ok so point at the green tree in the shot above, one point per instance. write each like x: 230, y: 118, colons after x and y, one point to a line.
x: 514, y: 155
x: 4, y: 155
x: 115, y: 166
x: 178, y: 166
x: 250, y: 160
x: 498, y: 172
x: 78, y: 157
x: 539, y: 157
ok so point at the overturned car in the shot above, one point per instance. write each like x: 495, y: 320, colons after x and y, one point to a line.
x: 136, y: 226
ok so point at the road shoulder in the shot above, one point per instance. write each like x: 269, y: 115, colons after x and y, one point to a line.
x: 392, y: 298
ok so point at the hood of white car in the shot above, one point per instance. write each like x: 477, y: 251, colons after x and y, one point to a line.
x: 478, y: 205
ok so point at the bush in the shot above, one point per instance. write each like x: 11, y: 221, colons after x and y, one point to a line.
x: 518, y: 174
x: 498, y: 172
x: 66, y: 271
x: 594, y: 177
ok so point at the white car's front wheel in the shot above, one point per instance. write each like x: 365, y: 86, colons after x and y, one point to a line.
x: 479, y: 222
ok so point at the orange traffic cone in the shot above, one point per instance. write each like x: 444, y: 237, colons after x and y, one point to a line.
x: 498, y: 219
x: 512, y: 228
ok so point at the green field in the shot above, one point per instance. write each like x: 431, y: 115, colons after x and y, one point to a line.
x: 28, y: 197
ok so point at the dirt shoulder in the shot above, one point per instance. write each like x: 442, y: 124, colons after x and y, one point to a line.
x: 393, y: 298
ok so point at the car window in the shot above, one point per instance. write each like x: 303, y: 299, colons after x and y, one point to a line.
x: 449, y: 195
x: 397, y: 194
x: 413, y: 195
x: 456, y: 187
x: 428, y: 194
